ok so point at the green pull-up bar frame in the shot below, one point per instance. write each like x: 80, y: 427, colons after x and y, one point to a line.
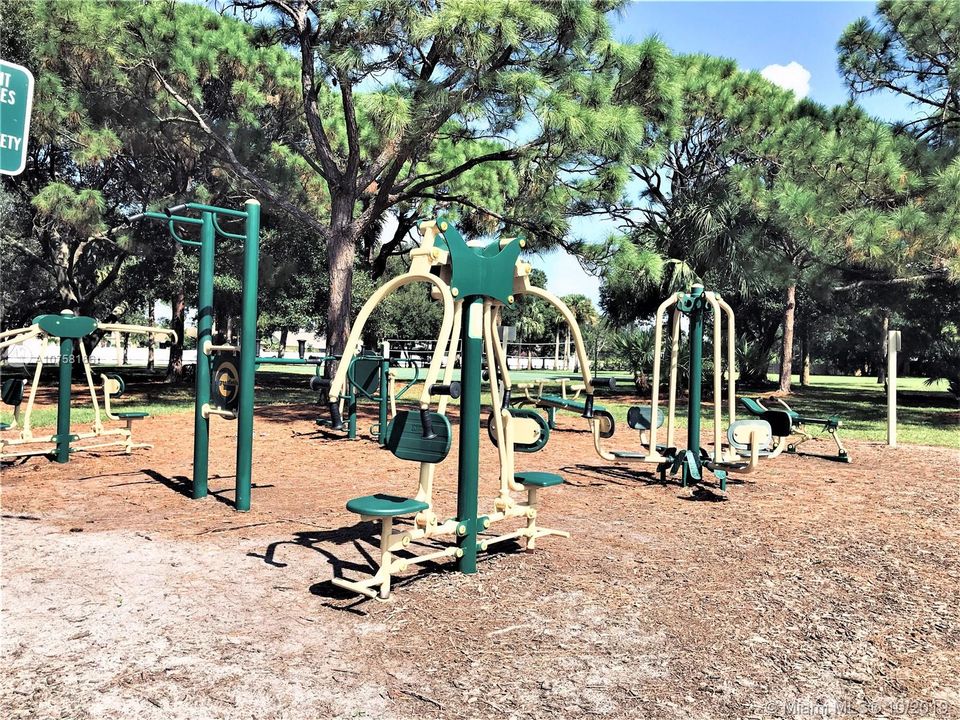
x: 209, y: 229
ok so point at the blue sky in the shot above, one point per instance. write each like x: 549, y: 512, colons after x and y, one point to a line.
x: 755, y: 34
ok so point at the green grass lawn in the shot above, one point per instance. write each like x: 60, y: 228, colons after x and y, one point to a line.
x: 927, y: 415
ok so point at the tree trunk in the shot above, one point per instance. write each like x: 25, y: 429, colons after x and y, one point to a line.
x: 885, y: 327
x: 283, y: 343
x: 177, y: 318
x: 126, y: 349
x: 341, y: 253
x: 566, y: 350
x: 556, y: 350
x: 151, y: 321
x: 786, y: 350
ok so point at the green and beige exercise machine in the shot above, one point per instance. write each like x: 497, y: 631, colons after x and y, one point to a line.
x: 469, y: 280
x: 790, y: 424
x: 747, y: 440
x: 69, y: 330
x: 568, y: 400
x: 370, y: 377
x: 225, y: 373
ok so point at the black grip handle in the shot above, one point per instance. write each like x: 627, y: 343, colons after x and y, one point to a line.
x: 318, y: 383
x: 506, y: 399
x: 336, y: 422
x: 610, y: 383
x: 453, y: 389
x: 485, y: 374
x: 426, y: 425
x: 588, y: 407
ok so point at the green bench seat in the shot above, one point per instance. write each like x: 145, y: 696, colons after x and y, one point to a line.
x: 381, y: 505
x: 538, y: 479
x: 568, y: 403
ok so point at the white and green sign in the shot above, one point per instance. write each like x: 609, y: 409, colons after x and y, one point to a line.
x: 16, y: 101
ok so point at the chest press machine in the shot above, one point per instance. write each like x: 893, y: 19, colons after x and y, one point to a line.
x: 748, y: 441
x: 471, y: 281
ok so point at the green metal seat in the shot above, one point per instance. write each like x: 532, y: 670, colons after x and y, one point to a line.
x: 405, y: 439
x: 132, y: 415
x: 753, y: 406
x: 381, y: 505
x: 538, y: 479
x: 639, y: 418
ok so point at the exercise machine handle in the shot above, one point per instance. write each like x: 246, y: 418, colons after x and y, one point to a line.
x: 426, y: 425
x: 609, y: 383
x: 588, y: 407
x: 453, y: 389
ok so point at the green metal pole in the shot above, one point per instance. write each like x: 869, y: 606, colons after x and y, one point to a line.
x: 201, y: 424
x: 384, y: 393
x: 696, y: 372
x: 248, y: 353
x: 468, y: 477
x: 63, y: 400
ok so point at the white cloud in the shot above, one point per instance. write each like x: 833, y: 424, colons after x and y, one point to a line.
x: 793, y: 77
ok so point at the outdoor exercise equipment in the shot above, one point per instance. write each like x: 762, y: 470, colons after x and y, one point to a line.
x: 568, y: 400
x: 747, y: 441
x: 371, y: 377
x: 790, y: 423
x: 67, y: 328
x: 114, y: 387
x: 225, y: 373
x: 469, y: 280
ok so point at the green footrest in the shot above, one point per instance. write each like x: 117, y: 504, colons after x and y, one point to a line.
x: 132, y: 415
x: 381, y: 505
x: 538, y: 479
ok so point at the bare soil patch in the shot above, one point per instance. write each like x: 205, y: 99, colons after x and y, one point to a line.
x: 817, y: 589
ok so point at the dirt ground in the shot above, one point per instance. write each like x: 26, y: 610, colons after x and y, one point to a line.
x: 818, y: 589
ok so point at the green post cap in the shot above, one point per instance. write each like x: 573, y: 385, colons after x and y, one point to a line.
x: 485, y: 271
x: 66, y: 324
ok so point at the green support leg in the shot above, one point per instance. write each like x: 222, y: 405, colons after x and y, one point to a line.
x: 469, y: 470
x: 201, y: 425
x: 351, y: 405
x: 63, y: 400
x: 384, y: 400
x: 696, y: 371
x: 248, y: 355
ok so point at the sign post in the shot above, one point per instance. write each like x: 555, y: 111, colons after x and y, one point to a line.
x: 893, y: 347
x: 16, y: 102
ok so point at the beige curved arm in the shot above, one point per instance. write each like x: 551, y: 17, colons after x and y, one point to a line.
x: 338, y: 386
x: 731, y: 358
x: 137, y: 329
x: 19, y: 335
x: 500, y: 414
x: 451, y: 354
x: 717, y: 374
x: 657, y: 353
x: 571, y: 321
x: 500, y: 355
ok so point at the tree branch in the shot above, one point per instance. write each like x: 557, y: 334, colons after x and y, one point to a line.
x: 242, y: 170
x: 937, y: 275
